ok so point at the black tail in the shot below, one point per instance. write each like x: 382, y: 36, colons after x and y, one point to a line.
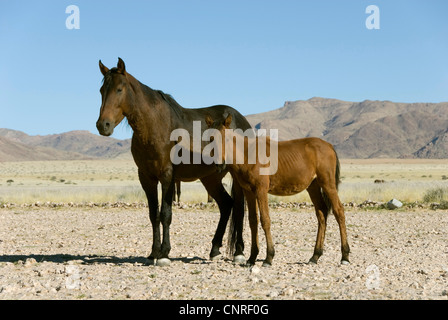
x: 338, y: 181
x: 231, y: 241
x: 236, y: 222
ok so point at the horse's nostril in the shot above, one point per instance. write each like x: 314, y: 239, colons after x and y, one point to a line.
x: 107, y: 125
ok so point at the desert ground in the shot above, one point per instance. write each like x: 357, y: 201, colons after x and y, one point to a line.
x: 80, y: 230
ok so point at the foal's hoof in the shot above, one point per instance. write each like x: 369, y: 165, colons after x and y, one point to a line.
x: 345, y: 262
x: 239, y: 259
x: 163, y: 262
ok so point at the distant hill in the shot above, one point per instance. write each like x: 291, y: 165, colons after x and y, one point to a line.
x: 367, y: 129
x: 18, y: 146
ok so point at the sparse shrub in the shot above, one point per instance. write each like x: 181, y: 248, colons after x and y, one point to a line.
x: 443, y: 205
x: 436, y: 195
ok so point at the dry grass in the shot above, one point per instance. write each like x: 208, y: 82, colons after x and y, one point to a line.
x: 117, y: 180
x: 79, y: 181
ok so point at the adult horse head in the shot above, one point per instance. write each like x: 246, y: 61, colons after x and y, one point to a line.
x: 116, y: 96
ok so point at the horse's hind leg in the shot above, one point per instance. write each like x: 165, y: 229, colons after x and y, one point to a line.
x: 215, y: 189
x: 237, y: 223
x: 177, y: 188
x: 338, y: 211
x: 321, y: 213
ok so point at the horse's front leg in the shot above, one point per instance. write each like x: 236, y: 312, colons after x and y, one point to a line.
x: 165, y: 219
x: 253, y: 223
x: 150, y: 188
x: 262, y: 201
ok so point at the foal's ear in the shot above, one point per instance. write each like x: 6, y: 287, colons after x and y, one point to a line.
x: 228, y: 121
x: 120, y: 66
x: 209, y: 121
x: 103, y: 68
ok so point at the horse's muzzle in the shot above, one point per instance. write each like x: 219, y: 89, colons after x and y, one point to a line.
x: 105, y: 127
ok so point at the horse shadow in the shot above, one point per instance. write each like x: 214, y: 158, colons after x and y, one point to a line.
x: 92, y: 259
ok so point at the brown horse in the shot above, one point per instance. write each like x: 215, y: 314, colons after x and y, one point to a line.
x: 309, y: 163
x: 178, y: 193
x: 153, y: 115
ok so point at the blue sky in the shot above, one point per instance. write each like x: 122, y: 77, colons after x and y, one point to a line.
x: 252, y: 55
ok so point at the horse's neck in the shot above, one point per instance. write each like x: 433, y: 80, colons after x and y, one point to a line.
x: 251, y: 145
x: 150, y: 116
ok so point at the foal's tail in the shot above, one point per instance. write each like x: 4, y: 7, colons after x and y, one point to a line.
x: 337, y: 180
x: 338, y: 171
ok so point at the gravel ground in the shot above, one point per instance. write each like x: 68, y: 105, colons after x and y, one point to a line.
x: 99, y: 253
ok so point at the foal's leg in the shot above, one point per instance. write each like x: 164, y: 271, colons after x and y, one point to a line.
x: 262, y: 200
x: 215, y: 189
x: 253, y: 223
x: 338, y: 211
x: 321, y: 213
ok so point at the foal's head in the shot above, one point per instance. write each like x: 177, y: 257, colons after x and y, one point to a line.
x: 115, y: 98
x: 221, y: 127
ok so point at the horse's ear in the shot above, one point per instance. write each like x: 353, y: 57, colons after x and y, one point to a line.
x: 228, y: 121
x: 120, y: 66
x: 209, y: 121
x: 103, y: 68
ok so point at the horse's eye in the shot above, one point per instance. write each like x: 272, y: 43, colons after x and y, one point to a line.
x: 119, y: 89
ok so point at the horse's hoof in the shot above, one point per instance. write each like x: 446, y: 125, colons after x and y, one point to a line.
x: 239, y: 259
x: 152, y: 261
x: 163, y: 262
x: 312, y: 262
x: 266, y: 265
x: 345, y: 262
x: 216, y: 258
x: 254, y: 270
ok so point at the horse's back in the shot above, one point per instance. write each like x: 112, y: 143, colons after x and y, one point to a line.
x: 300, y: 161
x: 306, y: 154
x: 219, y: 112
x: 306, y: 147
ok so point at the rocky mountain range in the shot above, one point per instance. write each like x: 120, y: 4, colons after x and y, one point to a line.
x: 367, y: 129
